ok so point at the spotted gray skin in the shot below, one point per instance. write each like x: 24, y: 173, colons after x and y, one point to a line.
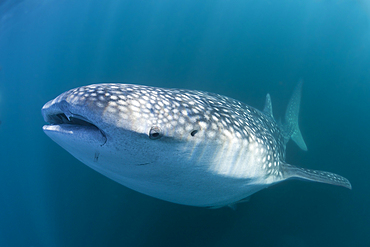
x: 183, y: 146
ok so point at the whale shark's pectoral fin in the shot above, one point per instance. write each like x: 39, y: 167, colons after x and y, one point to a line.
x: 293, y: 172
x: 233, y: 206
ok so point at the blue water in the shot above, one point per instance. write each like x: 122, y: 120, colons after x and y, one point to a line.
x: 242, y: 49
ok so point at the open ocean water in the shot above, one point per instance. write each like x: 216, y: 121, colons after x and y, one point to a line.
x: 243, y: 49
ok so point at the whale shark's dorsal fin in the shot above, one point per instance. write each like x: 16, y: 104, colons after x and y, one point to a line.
x: 268, y: 107
x: 291, y: 118
x: 290, y: 171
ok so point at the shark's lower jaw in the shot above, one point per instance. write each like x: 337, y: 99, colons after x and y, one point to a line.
x: 83, y: 142
x: 71, y: 135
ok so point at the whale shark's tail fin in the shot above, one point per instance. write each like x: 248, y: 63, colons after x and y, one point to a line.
x: 293, y: 172
x: 290, y: 126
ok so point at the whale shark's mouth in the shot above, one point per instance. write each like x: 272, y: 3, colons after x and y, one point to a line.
x: 62, y: 122
x: 61, y: 118
x: 59, y: 113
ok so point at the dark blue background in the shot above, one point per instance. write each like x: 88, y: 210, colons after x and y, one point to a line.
x: 242, y: 49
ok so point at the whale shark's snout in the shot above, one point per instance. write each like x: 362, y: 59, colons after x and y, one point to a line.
x: 73, y: 125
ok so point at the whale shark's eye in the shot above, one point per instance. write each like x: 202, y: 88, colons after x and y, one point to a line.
x: 155, y: 133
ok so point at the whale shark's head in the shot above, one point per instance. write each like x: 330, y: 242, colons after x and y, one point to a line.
x: 100, y: 114
x: 129, y: 117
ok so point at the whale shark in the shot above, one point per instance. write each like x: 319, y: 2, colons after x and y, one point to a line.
x: 182, y: 146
